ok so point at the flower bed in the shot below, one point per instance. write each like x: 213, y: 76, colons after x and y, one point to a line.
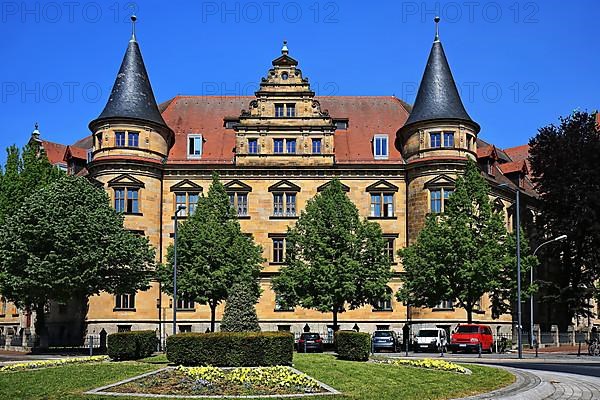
x: 427, y: 363
x: 213, y: 381
x: 50, y: 363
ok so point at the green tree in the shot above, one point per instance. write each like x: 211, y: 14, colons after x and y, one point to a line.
x: 66, y: 241
x: 240, y: 311
x: 24, y: 172
x: 333, y: 258
x: 463, y: 253
x: 212, y: 253
x: 565, y: 161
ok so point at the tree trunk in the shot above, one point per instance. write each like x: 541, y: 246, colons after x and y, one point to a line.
x: 213, y: 312
x: 335, y: 320
x: 40, y: 326
x: 469, y: 310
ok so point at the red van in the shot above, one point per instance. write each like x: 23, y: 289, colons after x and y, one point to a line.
x: 469, y: 337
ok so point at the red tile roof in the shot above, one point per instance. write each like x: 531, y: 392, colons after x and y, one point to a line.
x: 75, y: 152
x: 54, y: 151
x: 514, y: 166
x: 518, y: 153
x: 204, y: 114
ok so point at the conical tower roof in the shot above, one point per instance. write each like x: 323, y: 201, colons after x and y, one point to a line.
x: 438, y: 97
x: 132, y: 96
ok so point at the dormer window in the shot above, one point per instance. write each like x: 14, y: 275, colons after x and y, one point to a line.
x: 435, y: 139
x: 194, y: 146
x: 380, y: 147
x: 448, y: 139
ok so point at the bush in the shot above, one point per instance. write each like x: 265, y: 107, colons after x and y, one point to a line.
x: 231, y: 349
x: 131, y: 345
x: 240, y: 311
x: 354, y: 346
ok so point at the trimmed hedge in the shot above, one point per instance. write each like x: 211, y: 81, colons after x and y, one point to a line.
x: 131, y: 345
x: 353, y: 346
x: 231, y: 349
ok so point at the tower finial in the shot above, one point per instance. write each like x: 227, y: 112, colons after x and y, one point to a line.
x: 437, y: 29
x: 133, y: 19
x: 284, y: 49
x: 36, y: 130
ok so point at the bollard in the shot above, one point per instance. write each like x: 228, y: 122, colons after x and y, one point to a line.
x: 305, y: 347
x: 579, y: 351
x: 91, y: 345
x: 537, y: 346
x: 479, y: 350
x: 406, y: 347
x: 442, y: 351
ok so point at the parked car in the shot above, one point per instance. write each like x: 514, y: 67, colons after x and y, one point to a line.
x: 430, y: 339
x: 384, y: 340
x: 310, y: 341
x: 471, y: 337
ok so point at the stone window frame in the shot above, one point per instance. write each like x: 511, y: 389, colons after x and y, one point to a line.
x: 131, y: 135
x: 382, y: 188
x: 384, y: 305
x: 236, y: 188
x: 286, y: 190
x: 279, y: 237
x: 448, y: 134
x: 444, y: 305
x: 391, y: 237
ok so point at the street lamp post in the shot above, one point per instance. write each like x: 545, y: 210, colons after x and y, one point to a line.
x: 179, y: 208
x: 518, y: 227
x: 556, y: 239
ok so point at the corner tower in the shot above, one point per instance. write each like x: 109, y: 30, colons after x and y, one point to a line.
x: 438, y: 124
x: 131, y: 124
x: 436, y: 140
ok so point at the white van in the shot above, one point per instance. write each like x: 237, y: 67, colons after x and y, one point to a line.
x: 430, y: 339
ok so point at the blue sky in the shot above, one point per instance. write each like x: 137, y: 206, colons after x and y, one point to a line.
x: 519, y: 64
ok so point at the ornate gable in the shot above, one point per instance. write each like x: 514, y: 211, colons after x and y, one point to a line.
x: 237, y: 186
x: 382, y: 186
x: 125, y: 180
x: 284, y: 186
x: 284, y: 124
x: 186, y: 186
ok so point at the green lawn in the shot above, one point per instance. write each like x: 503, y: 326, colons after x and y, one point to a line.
x: 355, y: 380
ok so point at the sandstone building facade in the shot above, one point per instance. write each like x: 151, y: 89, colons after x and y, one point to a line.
x: 274, y: 151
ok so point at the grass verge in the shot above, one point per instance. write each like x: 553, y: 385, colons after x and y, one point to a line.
x: 355, y: 379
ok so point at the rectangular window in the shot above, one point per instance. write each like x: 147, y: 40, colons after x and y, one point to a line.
x: 436, y: 201
x: 341, y: 125
x: 278, y: 204
x: 181, y: 200
x: 448, y: 139
x: 445, y: 305
x: 120, y: 139
x: 184, y: 303
x: 278, y: 253
x: 291, y: 110
x: 316, y: 146
x: 185, y: 328
x: 253, y: 146
x: 279, y: 110
x: 435, y: 139
x: 290, y: 204
x: 380, y: 145
x: 388, y: 205
x: 123, y: 328
x: 376, y: 205
x: 90, y: 155
x: 120, y: 200
x: 277, y: 146
x: 242, y: 204
x: 194, y: 146
x: 389, y: 248
x: 133, y: 201
x: 125, y: 301
x: 290, y: 146
x: 383, y: 305
x: 133, y: 139
x: 192, y: 202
